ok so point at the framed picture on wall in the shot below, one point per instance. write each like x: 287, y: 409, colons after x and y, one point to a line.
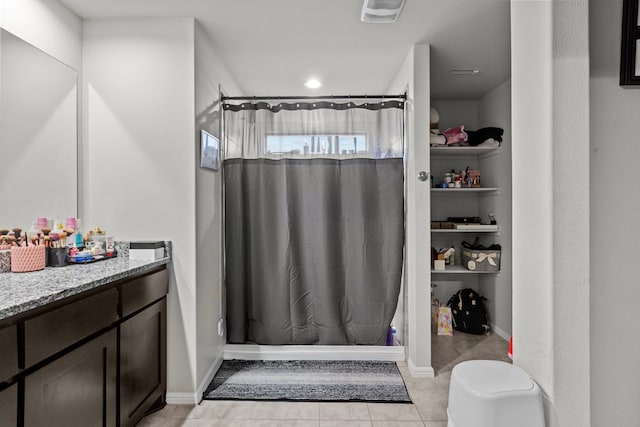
x: 209, y: 151
x: 630, y: 44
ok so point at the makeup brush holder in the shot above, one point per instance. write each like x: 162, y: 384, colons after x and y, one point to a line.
x: 57, y: 257
x: 27, y: 258
x: 5, y: 260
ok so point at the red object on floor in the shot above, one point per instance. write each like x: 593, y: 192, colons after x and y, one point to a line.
x: 510, y: 353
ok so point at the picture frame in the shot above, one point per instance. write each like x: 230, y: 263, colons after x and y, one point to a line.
x: 209, y: 151
x: 630, y: 44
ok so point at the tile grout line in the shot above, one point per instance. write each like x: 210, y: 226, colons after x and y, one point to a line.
x: 369, y: 411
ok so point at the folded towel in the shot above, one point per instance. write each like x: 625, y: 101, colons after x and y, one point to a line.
x: 490, y: 143
x: 436, y: 138
x: 477, y: 137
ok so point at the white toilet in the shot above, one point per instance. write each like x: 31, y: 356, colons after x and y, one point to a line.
x: 490, y: 393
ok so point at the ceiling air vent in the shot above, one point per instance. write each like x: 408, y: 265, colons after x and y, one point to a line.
x: 381, y: 11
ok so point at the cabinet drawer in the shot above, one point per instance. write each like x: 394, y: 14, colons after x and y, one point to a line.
x: 61, y: 327
x: 9, y: 353
x: 143, y: 291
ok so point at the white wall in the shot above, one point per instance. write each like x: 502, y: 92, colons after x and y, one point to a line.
x: 209, y: 74
x: 551, y: 203
x: 495, y: 110
x: 138, y: 131
x: 46, y: 24
x: 456, y: 113
x: 413, y: 77
x: 615, y: 203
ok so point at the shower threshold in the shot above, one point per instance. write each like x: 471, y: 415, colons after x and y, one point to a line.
x: 313, y: 352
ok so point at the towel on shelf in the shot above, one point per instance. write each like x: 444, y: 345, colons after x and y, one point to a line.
x: 477, y: 137
x: 490, y: 143
x: 436, y: 138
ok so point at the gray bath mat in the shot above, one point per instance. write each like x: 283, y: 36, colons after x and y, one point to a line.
x: 308, y: 380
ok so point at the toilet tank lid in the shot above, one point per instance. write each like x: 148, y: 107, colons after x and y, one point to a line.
x: 492, y: 376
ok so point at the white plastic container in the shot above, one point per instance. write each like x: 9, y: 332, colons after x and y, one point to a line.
x: 146, y: 251
x: 490, y: 393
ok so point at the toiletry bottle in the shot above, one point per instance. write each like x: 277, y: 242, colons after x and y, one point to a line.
x: 32, y: 230
x: 57, y: 226
x: 72, y: 224
x: 79, y: 242
x: 41, y: 223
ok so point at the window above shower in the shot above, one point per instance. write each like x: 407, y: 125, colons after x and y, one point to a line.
x: 316, y: 145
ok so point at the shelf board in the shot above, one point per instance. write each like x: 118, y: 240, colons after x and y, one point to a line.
x: 465, y: 190
x: 453, y: 230
x: 458, y: 269
x: 463, y: 151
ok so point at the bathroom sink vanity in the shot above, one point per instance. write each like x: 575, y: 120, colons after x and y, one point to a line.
x: 84, y: 344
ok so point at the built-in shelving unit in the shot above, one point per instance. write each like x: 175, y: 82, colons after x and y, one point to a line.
x: 491, y: 169
x: 465, y: 201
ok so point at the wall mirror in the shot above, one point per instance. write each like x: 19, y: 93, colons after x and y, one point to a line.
x: 38, y: 135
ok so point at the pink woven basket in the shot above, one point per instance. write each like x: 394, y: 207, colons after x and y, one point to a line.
x: 27, y: 258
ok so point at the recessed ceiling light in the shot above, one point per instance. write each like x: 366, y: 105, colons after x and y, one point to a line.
x: 464, y: 72
x: 313, y: 84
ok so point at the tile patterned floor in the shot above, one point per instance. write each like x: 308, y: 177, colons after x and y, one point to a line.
x: 429, y: 396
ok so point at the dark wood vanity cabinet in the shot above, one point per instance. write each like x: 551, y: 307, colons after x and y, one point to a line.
x: 9, y: 406
x: 62, y: 327
x: 96, y: 359
x: 143, y: 344
x: 78, y: 388
x: 9, y: 353
x: 143, y: 373
x: 8, y: 370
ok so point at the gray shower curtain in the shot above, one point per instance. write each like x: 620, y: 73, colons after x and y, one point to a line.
x: 314, y: 249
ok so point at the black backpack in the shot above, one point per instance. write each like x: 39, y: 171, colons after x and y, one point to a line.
x: 468, y: 312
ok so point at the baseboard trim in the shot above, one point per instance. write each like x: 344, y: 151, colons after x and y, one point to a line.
x: 182, y: 398
x: 420, y: 372
x: 313, y: 352
x: 194, y: 398
x: 208, y: 378
x: 500, y: 332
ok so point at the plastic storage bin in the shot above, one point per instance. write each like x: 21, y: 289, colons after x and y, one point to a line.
x: 490, y: 393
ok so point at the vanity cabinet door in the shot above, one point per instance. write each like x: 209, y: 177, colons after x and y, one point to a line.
x: 143, y: 354
x: 79, y: 388
x: 8, y: 353
x: 9, y: 406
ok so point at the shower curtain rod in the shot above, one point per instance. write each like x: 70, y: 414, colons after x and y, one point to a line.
x: 268, y: 98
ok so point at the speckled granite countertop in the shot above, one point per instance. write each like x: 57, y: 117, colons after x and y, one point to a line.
x: 21, y: 292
